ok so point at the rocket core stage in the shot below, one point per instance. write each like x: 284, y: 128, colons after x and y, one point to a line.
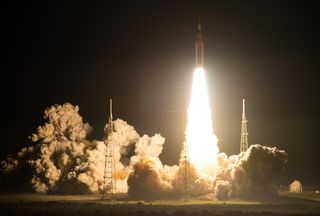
x: 199, y: 47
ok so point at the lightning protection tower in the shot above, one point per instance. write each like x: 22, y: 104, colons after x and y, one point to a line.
x: 244, y: 130
x: 109, y: 183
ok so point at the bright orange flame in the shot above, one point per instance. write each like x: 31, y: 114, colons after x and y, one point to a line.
x: 201, y: 140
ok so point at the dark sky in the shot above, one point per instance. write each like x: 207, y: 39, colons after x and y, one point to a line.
x: 142, y: 55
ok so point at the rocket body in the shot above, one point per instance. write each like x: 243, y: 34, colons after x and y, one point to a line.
x: 199, y: 47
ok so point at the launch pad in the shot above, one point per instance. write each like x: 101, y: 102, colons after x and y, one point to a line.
x: 35, y: 204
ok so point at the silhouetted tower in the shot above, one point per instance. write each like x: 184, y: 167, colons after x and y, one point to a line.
x: 244, y: 130
x: 109, y: 183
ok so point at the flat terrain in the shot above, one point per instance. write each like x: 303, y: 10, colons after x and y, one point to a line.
x: 309, y: 195
x: 35, y: 204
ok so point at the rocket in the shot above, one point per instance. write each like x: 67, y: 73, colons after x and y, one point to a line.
x: 199, y: 46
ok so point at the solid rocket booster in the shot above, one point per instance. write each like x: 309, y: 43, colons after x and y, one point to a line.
x: 199, y: 46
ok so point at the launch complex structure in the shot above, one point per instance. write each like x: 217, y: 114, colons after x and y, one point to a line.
x: 184, y: 161
x: 244, y: 130
x: 109, y: 183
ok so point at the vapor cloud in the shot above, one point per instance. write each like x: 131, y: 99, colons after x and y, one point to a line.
x: 63, y: 160
x: 251, y: 173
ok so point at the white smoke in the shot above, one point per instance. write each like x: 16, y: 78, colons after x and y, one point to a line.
x: 63, y: 160
x: 9, y: 165
x: 251, y: 173
x: 295, y: 187
x: 60, y: 148
x: 150, y: 179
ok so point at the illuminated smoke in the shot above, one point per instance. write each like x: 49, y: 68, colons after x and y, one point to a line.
x: 9, y: 165
x: 64, y: 161
x: 250, y: 173
x: 60, y: 146
x: 295, y: 187
x: 150, y: 179
x: 201, y: 140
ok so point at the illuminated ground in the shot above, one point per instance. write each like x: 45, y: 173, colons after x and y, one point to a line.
x: 33, y: 204
x: 309, y: 195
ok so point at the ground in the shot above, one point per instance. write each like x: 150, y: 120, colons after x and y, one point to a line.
x: 309, y: 195
x: 307, y: 203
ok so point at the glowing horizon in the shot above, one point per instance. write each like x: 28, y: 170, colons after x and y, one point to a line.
x: 200, y: 137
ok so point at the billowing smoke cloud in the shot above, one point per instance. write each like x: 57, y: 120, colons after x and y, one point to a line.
x: 61, y: 144
x: 250, y: 173
x: 150, y: 179
x: 63, y: 160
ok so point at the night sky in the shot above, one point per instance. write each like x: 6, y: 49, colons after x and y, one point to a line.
x: 142, y: 56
